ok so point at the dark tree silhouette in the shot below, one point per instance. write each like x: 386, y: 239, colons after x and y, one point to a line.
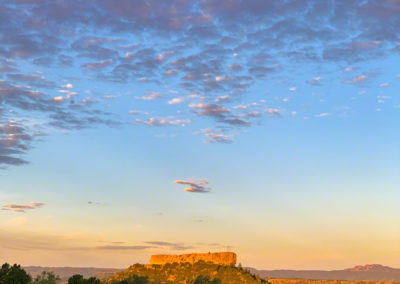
x: 91, y: 280
x: 79, y: 279
x: 206, y: 280
x: 76, y: 279
x: 13, y: 275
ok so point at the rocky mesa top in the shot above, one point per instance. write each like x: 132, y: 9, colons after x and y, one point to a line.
x: 225, y: 258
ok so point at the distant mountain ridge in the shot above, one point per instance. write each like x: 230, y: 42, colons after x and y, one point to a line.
x: 371, y: 272
x: 371, y: 267
x: 66, y: 272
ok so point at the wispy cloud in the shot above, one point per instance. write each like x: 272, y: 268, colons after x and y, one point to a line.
x: 223, y: 99
x: 94, y: 203
x: 216, y: 136
x: 323, y: 114
x: 17, y: 133
x: 175, y: 101
x: 169, y: 245
x: 22, y: 207
x: 31, y: 241
x: 96, y: 65
x: 164, y: 121
x: 151, y: 96
x: 358, y: 79
x: 273, y: 112
x: 33, y: 80
x: 108, y: 97
x: 120, y: 247
x: 213, y: 110
x: 314, y: 81
x: 196, y: 186
x: 68, y: 86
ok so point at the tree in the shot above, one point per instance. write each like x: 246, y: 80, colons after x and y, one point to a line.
x: 140, y: 279
x: 79, y: 279
x: 206, y: 280
x: 46, y: 278
x: 13, y: 275
x: 135, y: 279
x: 76, y: 279
x: 91, y: 280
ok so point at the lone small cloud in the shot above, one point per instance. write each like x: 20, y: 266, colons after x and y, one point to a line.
x: 197, y: 186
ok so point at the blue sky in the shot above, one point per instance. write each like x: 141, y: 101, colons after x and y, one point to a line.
x: 137, y: 127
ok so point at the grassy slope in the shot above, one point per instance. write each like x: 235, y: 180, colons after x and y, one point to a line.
x: 185, y: 272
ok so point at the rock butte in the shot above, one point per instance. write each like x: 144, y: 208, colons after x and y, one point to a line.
x: 225, y: 258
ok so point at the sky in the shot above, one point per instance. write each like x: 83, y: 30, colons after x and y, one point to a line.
x: 268, y: 128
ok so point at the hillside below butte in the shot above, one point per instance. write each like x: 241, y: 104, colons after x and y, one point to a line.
x: 184, y: 273
x: 224, y: 258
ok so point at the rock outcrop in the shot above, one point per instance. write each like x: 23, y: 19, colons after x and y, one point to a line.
x: 225, y: 258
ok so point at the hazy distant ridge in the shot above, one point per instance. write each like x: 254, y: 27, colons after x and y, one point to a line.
x: 66, y: 272
x: 372, y: 272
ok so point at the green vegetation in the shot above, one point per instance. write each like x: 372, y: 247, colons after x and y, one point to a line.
x: 46, y: 278
x: 198, y: 273
x: 135, y: 280
x: 17, y: 275
x: 79, y: 279
x: 14, y: 275
x: 206, y: 280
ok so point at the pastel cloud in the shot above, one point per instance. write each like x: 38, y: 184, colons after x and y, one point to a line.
x: 323, y: 114
x: 164, y: 121
x: 120, y: 247
x: 18, y: 131
x: 68, y: 86
x: 196, y: 186
x: 216, y: 50
x: 216, y: 137
x: 151, y: 96
x: 170, y: 245
x: 59, y: 244
x: 68, y: 93
x: 33, y: 80
x: 22, y: 207
x: 357, y: 79
x: 314, y: 81
x: 30, y: 241
x: 223, y: 98
x: 210, y: 109
x: 273, y: 112
x: 59, y: 99
x: 175, y: 101
x: 96, y: 65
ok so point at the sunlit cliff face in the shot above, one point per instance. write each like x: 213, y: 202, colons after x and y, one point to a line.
x: 225, y: 258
